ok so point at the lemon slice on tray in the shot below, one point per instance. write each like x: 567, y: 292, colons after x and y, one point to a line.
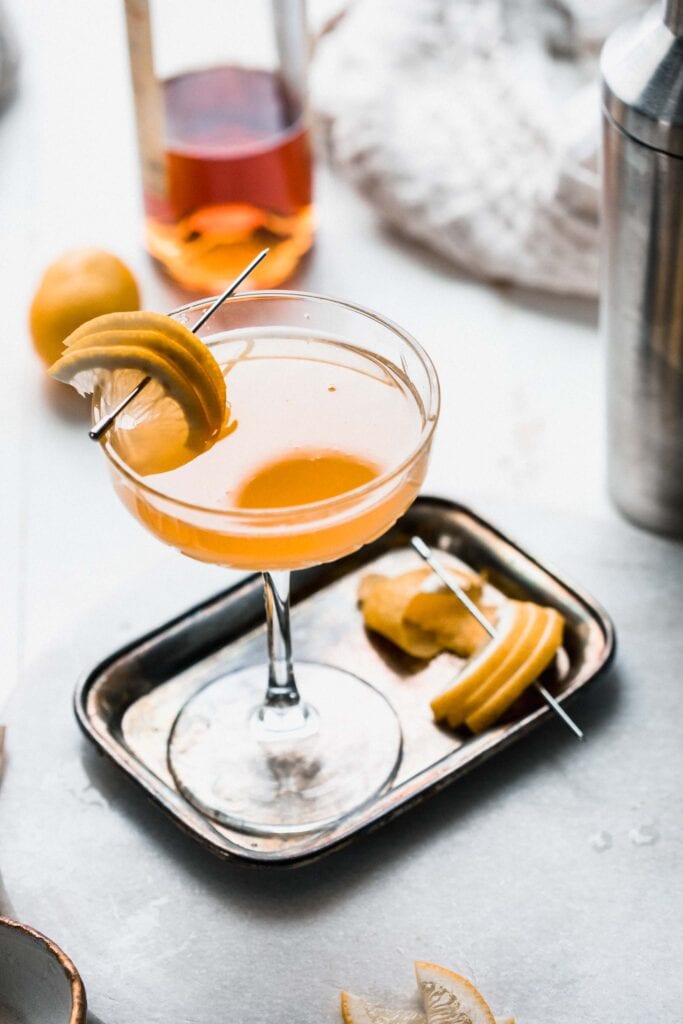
x: 179, y: 414
x: 490, y: 663
x: 543, y: 645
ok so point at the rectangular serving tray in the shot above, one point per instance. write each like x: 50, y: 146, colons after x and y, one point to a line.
x: 127, y: 704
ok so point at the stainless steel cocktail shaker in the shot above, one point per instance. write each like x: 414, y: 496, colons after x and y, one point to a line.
x: 642, y: 286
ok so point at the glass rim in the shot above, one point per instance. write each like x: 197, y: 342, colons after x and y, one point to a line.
x: 326, y: 504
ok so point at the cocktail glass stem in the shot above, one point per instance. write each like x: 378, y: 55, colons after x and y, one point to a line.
x: 282, y: 711
x: 282, y: 691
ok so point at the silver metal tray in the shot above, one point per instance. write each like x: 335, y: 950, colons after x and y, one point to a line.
x: 128, y: 703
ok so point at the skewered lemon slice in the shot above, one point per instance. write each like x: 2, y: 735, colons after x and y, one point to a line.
x: 169, y: 328
x: 523, y: 646
x: 528, y: 639
x: 545, y: 648
x: 451, y: 704
x: 178, y: 415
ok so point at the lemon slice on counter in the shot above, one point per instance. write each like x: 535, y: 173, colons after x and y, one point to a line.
x: 356, y: 1010
x: 448, y: 996
x: 178, y: 415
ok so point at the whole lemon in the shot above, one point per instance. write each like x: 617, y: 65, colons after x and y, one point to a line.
x: 79, y: 285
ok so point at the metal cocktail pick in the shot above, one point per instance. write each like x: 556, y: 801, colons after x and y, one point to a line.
x: 425, y: 553
x: 102, y: 426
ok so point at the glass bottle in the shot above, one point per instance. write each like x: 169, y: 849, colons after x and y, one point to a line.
x: 223, y: 137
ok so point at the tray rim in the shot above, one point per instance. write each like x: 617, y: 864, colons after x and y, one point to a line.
x: 148, y: 782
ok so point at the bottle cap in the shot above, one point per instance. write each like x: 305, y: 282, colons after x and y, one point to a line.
x: 642, y: 75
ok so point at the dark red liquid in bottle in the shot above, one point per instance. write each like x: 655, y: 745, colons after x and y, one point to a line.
x: 238, y: 178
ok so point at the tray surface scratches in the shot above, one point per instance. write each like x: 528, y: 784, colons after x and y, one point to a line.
x: 128, y: 704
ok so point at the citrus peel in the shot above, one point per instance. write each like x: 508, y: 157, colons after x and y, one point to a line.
x: 161, y: 350
x: 528, y: 637
x: 419, y: 620
x: 171, y: 329
x: 522, y: 644
x: 450, y: 704
x: 184, y: 407
x: 537, y: 661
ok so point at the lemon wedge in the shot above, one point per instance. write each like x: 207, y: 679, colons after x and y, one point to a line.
x: 178, y: 415
x: 448, y: 996
x: 356, y: 1010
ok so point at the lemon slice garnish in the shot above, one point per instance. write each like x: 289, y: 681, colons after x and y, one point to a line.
x: 178, y: 415
x: 165, y: 325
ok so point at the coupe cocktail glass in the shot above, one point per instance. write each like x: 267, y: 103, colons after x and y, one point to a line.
x: 333, y: 411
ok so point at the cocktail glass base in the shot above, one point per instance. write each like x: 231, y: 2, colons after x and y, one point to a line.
x: 280, y: 771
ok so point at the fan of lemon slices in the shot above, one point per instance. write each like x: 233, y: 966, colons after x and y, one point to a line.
x: 527, y: 639
x: 180, y: 413
x: 447, y: 998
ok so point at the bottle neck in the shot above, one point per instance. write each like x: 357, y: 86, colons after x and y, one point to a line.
x: 673, y: 16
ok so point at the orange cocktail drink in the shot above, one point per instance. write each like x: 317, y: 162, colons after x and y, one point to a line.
x: 312, y: 463
x: 332, y: 412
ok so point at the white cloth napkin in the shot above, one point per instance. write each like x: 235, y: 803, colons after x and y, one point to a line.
x: 473, y: 126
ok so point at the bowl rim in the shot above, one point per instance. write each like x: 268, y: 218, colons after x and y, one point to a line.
x: 78, y: 997
x: 326, y: 506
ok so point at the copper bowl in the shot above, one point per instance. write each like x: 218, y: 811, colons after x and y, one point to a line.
x: 38, y: 982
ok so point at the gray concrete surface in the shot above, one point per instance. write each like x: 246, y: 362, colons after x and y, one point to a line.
x: 552, y: 875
